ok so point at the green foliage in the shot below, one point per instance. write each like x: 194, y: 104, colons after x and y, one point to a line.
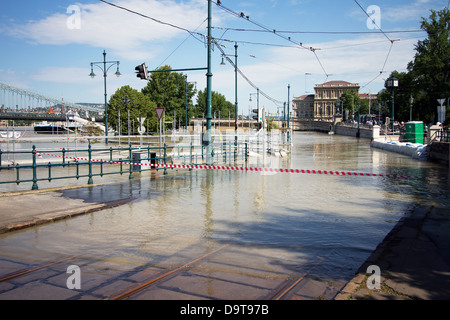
x: 218, y: 104
x: 428, y: 76
x: 170, y: 90
x: 128, y: 99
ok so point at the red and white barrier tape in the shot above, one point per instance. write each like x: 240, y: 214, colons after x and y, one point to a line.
x: 252, y: 169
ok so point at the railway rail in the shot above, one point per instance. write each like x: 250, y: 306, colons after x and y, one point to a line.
x: 279, y: 293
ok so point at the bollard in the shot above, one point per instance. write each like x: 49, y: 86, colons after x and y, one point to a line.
x: 130, y: 160
x: 33, y: 153
x: 63, y: 157
x: 49, y: 171
x: 78, y: 169
x: 90, y: 181
x: 165, y: 156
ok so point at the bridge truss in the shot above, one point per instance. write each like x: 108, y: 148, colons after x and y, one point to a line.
x: 13, y: 97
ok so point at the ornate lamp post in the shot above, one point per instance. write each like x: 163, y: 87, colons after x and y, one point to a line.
x: 392, y: 83
x: 105, y: 71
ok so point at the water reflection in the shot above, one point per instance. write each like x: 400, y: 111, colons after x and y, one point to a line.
x: 280, y: 223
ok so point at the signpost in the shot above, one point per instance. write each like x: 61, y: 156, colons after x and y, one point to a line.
x: 141, y: 128
x: 159, y: 113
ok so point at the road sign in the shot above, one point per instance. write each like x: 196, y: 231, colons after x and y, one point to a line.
x: 159, y: 112
x: 141, y: 129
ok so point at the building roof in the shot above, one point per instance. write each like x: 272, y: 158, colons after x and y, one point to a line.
x: 304, y: 97
x: 339, y: 83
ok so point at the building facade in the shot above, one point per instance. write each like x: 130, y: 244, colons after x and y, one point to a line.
x: 322, y: 104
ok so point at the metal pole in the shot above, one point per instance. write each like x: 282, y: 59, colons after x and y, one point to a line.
x: 106, y: 106
x: 392, y: 111
x: 35, y: 186
x: 289, y: 88
x: 185, y: 98
x: 235, y: 100
x: 207, y: 136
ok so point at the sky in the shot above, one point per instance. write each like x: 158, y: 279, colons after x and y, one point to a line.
x: 284, y: 47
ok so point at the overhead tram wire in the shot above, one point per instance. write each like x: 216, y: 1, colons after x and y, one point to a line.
x: 390, y: 40
x: 151, y: 18
x: 274, y: 31
x: 190, y: 34
x: 276, y: 102
x: 318, y: 32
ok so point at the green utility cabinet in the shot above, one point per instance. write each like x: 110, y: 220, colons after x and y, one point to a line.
x: 414, y: 132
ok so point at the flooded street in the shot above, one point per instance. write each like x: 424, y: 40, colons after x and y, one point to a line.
x: 267, y: 228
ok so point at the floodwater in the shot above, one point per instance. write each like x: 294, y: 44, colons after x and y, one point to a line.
x: 276, y: 226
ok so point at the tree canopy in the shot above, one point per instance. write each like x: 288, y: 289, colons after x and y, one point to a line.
x: 127, y: 99
x: 219, y: 104
x: 171, y: 90
x: 428, y: 76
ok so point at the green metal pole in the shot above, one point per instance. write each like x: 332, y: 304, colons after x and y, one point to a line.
x: 235, y: 101
x: 185, y: 101
x: 289, y: 94
x: 288, y: 102
x: 35, y: 186
x: 106, y: 105
x: 90, y: 181
x: 392, y: 120
x: 130, y: 156
x: 165, y: 158
x: 207, y: 136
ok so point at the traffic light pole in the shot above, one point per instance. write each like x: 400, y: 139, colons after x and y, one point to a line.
x: 207, y: 136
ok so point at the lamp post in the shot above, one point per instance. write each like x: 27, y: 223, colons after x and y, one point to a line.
x: 392, y: 83
x: 105, y: 71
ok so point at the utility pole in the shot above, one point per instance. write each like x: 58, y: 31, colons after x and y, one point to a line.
x: 207, y: 136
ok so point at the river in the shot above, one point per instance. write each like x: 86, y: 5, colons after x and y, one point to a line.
x: 277, y: 225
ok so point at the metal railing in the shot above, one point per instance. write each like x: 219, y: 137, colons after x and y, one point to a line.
x: 443, y: 135
x: 109, y: 161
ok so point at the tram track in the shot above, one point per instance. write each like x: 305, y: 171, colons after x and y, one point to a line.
x: 26, y: 271
x: 146, y: 284
x: 279, y: 293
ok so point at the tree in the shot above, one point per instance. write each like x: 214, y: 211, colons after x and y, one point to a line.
x: 402, y: 96
x: 170, y: 90
x: 350, y: 100
x: 127, y: 99
x: 431, y: 65
x: 218, y: 104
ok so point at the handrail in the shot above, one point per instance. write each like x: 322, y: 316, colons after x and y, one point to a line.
x: 93, y: 157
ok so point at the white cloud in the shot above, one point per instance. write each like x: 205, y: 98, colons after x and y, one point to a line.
x: 127, y: 34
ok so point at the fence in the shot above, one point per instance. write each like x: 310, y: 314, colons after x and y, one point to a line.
x: 443, y: 135
x: 119, y: 160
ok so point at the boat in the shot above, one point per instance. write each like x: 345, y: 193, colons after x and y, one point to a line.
x: 49, y: 128
x: 44, y: 127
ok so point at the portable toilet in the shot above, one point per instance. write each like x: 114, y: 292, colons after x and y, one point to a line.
x: 414, y: 132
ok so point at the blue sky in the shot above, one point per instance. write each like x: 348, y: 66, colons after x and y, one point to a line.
x: 47, y: 49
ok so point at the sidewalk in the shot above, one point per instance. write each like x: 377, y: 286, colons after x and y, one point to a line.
x: 23, y: 209
x: 414, y: 260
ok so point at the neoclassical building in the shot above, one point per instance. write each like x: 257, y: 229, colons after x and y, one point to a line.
x: 322, y: 105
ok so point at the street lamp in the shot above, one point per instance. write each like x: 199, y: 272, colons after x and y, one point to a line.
x: 392, y: 83
x: 105, y: 71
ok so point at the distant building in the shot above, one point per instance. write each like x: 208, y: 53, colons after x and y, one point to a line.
x: 304, y: 107
x: 322, y: 104
x: 326, y: 95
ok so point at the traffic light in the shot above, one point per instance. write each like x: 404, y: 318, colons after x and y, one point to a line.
x: 257, y: 114
x: 142, y: 71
